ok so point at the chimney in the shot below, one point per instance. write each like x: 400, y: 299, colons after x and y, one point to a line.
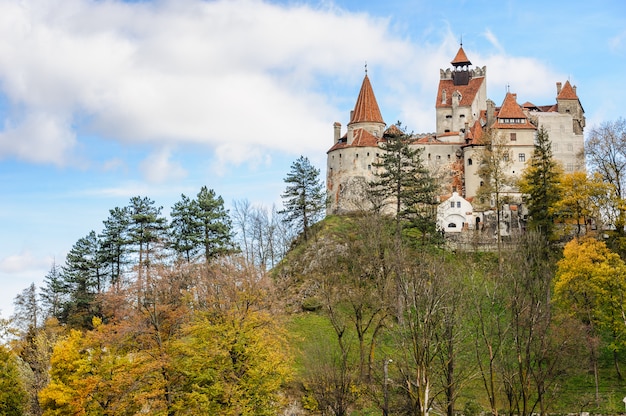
x: 514, y: 96
x: 574, y: 87
x: 558, y: 88
x: 337, y: 127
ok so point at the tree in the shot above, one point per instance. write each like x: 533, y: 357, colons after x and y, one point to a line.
x: 146, y: 230
x: 583, y: 197
x: 606, y: 153
x: 304, y: 198
x: 496, y: 182
x: 13, y: 396
x: 540, y: 182
x: 214, y: 224
x: 55, y: 292
x: 403, y: 183
x: 82, y: 274
x: 27, y: 315
x: 591, y: 283
x: 201, y: 225
x: 114, y: 243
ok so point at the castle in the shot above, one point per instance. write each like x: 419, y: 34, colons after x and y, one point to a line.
x: 453, y: 153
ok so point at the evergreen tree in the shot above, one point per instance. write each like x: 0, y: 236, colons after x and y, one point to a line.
x: 214, y: 224
x: 304, y: 198
x: 184, y: 232
x: 403, y: 183
x: 541, y: 183
x: 54, y: 294
x: 27, y: 310
x: 201, y: 225
x: 115, y: 243
x: 82, y: 274
x: 146, y: 229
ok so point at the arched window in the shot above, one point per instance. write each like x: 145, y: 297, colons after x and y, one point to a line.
x: 470, y: 162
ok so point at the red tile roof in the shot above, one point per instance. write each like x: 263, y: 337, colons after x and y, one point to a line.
x: 393, y: 131
x: 468, y: 92
x: 461, y: 58
x: 362, y: 138
x: 567, y: 92
x: 510, y: 108
x: 366, y: 108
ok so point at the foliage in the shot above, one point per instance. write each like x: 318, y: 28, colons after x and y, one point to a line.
x: 304, y: 198
x: 13, y: 396
x: 582, y: 200
x: 404, y: 184
x: 540, y: 182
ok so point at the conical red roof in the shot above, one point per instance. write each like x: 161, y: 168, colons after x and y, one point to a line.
x: 461, y: 58
x: 366, y: 108
x: 510, y: 108
x: 567, y: 92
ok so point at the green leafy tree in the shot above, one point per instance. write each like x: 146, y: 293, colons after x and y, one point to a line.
x: 404, y: 184
x: 13, y: 395
x: 304, y: 198
x: 541, y: 182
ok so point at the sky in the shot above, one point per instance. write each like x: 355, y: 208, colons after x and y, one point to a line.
x: 104, y: 100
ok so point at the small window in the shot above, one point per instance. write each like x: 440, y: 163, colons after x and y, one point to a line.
x: 448, y: 157
x: 505, y: 157
x: 570, y: 147
x: 357, y: 155
x: 452, y: 225
x: 446, y: 131
x: 462, y: 116
x: 449, y: 116
x: 452, y: 204
x: 458, y: 204
x: 513, y: 137
x: 438, y: 157
x: 470, y: 162
x: 368, y: 154
x: 369, y: 167
x: 522, y: 157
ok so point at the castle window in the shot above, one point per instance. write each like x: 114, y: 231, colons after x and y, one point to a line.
x: 452, y: 204
x: 470, y: 162
x: 462, y: 130
x: 452, y: 225
x: 438, y: 157
x: 449, y: 116
x: 462, y: 116
x: 446, y: 131
x: 368, y: 154
x: 458, y: 204
x: 357, y: 155
x: 505, y: 157
x: 448, y: 157
x: 429, y: 156
x: 522, y: 157
x: 570, y: 147
x: 369, y: 167
x: 513, y: 137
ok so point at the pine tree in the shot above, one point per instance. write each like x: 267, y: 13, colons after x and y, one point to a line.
x: 541, y: 182
x: 214, y: 224
x: 304, y: 198
x: 403, y: 183
x: 82, y: 274
x: 55, y: 292
x: 184, y: 230
x: 115, y: 243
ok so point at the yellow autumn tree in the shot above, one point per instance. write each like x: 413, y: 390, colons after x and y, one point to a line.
x: 590, y: 284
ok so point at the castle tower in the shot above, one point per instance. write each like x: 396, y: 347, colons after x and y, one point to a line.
x: 461, y: 97
x: 568, y: 103
x: 350, y: 159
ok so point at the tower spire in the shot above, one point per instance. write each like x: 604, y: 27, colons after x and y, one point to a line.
x: 366, y: 108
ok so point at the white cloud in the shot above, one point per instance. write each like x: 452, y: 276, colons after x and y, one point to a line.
x: 491, y: 38
x: 158, y: 168
x: 23, y: 262
x: 240, y: 71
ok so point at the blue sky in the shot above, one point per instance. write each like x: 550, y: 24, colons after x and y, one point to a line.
x: 104, y: 100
